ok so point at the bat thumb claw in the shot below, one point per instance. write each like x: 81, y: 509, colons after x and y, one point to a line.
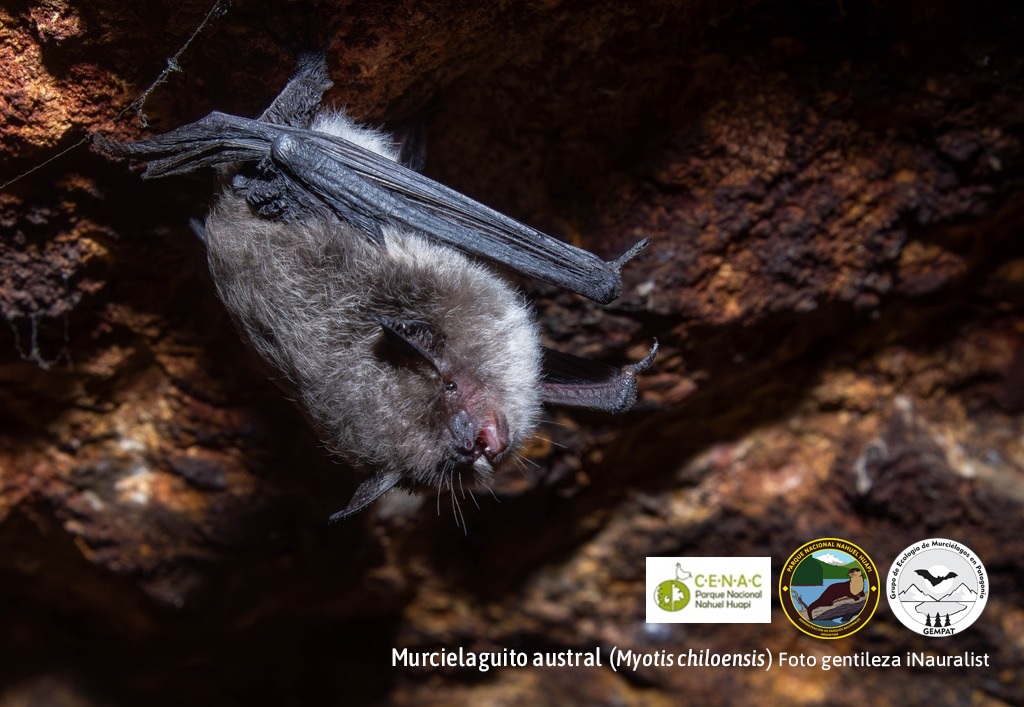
x: 368, y: 492
x: 619, y: 262
x: 643, y: 364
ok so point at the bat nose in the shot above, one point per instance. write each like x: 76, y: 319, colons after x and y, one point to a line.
x: 489, y: 438
x: 464, y: 434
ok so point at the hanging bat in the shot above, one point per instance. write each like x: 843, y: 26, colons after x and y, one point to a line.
x: 935, y: 581
x: 372, y: 291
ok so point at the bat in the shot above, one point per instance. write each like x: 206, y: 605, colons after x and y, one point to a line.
x: 935, y: 580
x: 375, y: 294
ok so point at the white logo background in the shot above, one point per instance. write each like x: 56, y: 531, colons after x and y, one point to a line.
x: 711, y: 601
x: 937, y: 587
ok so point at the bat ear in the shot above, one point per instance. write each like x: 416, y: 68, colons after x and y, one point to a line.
x: 412, y: 339
x: 368, y: 492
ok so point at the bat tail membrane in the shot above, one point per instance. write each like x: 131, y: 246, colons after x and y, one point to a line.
x: 572, y: 381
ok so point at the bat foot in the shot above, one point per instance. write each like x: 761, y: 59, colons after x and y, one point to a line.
x: 113, y: 148
x: 299, y: 102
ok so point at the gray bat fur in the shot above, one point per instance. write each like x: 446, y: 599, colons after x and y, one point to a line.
x: 308, y: 296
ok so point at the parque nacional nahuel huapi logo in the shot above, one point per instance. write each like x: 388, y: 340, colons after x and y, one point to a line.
x: 829, y: 588
x: 937, y: 587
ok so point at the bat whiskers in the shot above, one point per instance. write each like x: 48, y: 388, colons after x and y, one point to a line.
x: 550, y: 441
x: 522, y: 461
x: 519, y: 463
x: 460, y: 520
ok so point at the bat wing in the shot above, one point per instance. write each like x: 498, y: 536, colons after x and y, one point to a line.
x: 579, y: 382
x: 928, y: 575
x: 295, y: 167
x: 369, y: 490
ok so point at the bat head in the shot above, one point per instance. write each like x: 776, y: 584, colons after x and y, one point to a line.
x: 451, y: 378
x: 475, y: 424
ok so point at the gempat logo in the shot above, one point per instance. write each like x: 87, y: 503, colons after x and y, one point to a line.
x: 937, y: 587
x: 829, y: 588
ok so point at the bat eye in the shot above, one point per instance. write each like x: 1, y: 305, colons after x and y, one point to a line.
x: 451, y: 386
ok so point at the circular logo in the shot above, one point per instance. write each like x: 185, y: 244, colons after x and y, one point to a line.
x: 937, y: 587
x: 671, y: 595
x: 829, y: 588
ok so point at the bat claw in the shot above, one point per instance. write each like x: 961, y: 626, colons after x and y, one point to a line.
x: 643, y: 364
x: 620, y: 262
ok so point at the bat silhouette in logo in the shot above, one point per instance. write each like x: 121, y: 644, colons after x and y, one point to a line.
x: 369, y: 288
x: 933, y: 579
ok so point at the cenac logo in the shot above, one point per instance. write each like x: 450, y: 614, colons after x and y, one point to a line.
x: 829, y: 588
x: 937, y: 587
x: 724, y: 590
x: 673, y: 594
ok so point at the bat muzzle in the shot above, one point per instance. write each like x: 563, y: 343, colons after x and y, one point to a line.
x: 472, y: 440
